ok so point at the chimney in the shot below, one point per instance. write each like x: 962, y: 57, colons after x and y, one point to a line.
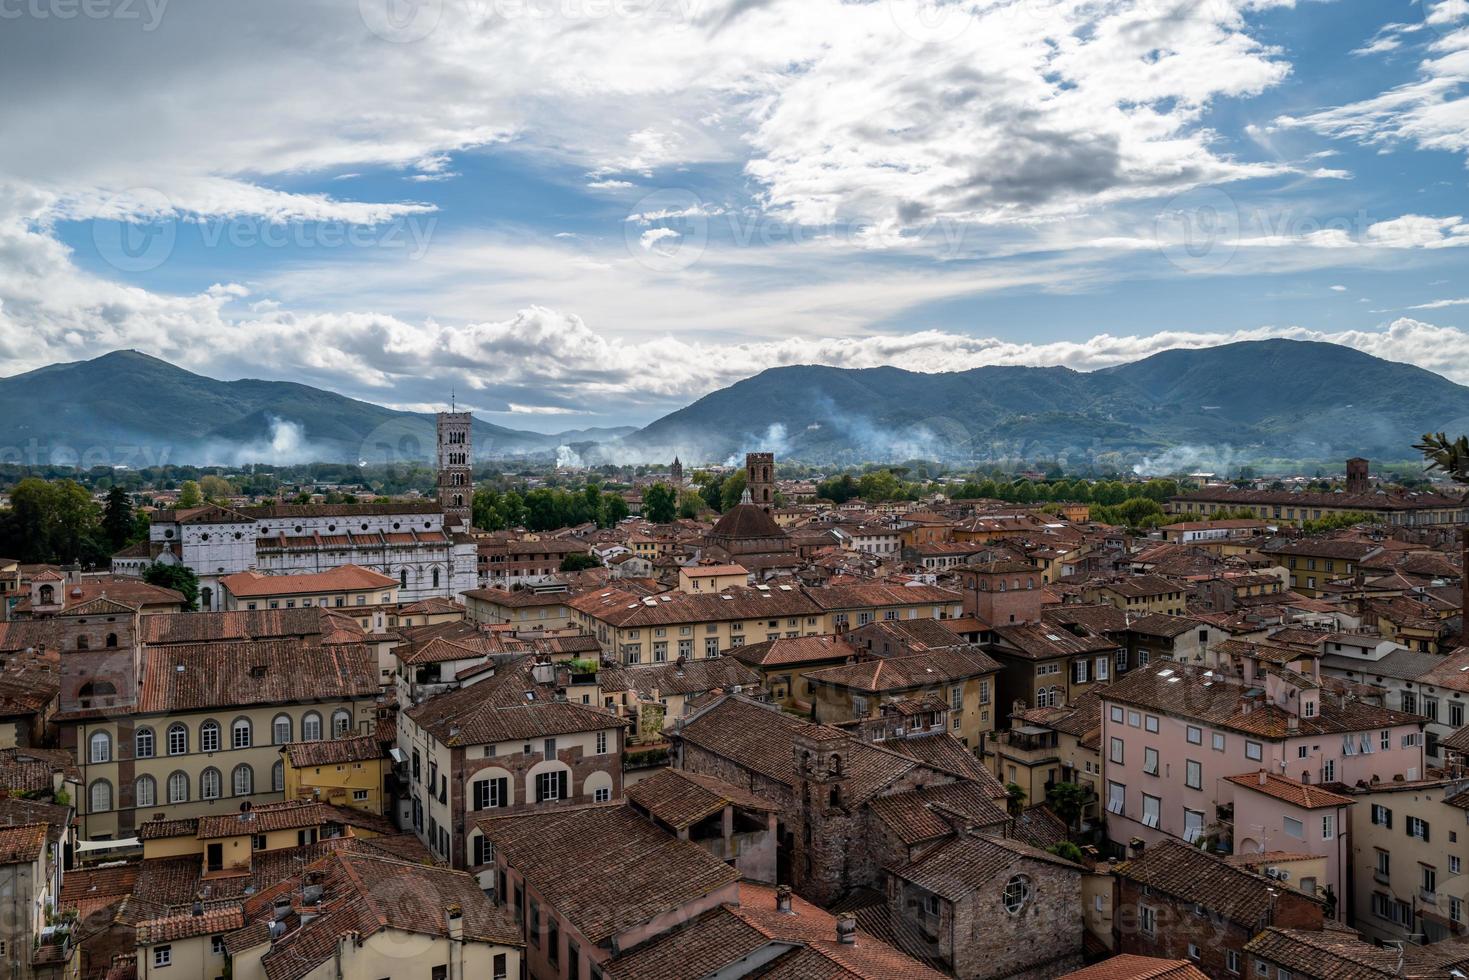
x: 846, y: 930
x: 783, y: 899
x: 1264, y: 777
x: 454, y: 916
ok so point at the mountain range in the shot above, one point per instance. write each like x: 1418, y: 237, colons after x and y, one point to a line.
x: 128, y: 407
x: 1255, y: 400
x: 1269, y: 399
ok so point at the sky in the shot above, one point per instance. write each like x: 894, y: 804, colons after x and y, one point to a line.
x: 574, y: 213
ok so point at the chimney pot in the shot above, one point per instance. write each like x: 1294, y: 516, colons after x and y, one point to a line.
x: 1263, y: 778
x: 783, y: 899
x: 846, y: 930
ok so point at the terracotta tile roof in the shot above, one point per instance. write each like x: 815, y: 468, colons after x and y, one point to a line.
x: 367, y: 894
x: 680, y: 798
x: 918, y: 815
x: 762, y: 739
x: 1037, y: 641
x: 1220, y: 703
x: 22, y: 843
x: 605, y: 867
x: 820, y: 954
x: 1139, y: 586
x: 956, y: 868
x: 326, y: 752
x: 186, y: 925
x: 163, y: 829
x: 1332, y: 954
x: 194, y: 677
x: 1039, y: 827
x: 1130, y: 966
x: 343, y: 578
x: 794, y: 650
x: 1191, y: 875
x: 519, y: 598
x: 238, y: 624
x: 692, y: 951
x: 692, y: 677
x: 1289, y: 791
x: 125, y: 594
x: 290, y: 815
x: 946, y: 753
x: 906, y: 673
x: 28, y: 770
x: 496, y: 709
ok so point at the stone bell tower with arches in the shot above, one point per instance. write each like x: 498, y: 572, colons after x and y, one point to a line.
x: 455, y: 464
x: 760, y: 479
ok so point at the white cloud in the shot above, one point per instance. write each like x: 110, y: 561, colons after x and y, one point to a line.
x: 1338, y: 289
x: 1430, y: 112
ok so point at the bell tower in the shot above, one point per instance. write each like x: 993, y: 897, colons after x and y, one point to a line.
x: 455, y: 463
x: 760, y: 479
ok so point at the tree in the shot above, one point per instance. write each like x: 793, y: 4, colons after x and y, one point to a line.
x: 690, y: 502
x: 731, y: 490
x: 579, y: 561
x: 1016, y: 794
x: 1067, y: 800
x: 180, y: 578
x: 1066, y: 850
x: 189, y: 495
x: 658, y: 503
x: 614, y: 509
x: 53, y: 521
x: 216, y: 488
x: 117, y: 518
x: 1450, y: 458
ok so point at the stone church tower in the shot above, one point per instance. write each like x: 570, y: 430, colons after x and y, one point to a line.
x: 456, y: 477
x: 760, y: 479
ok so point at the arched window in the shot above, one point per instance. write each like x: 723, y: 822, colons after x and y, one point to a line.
x: 209, y: 784
x: 311, y: 727
x: 436, y: 578
x: 178, y: 787
x: 240, y: 733
x: 341, y: 722
x: 99, y: 747
x: 243, y: 780
x: 99, y: 797
x: 145, y: 792
x: 178, y: 739
x: 48, y: 595
x: 83, y: 643
x: 402, y: 578
x: 206, y: 598
x: 1017, y: 893
x: 111, y: 639
x: 143, y: 747
x: 278, y: 776
x: 209, y: 736
x: 280, y: 729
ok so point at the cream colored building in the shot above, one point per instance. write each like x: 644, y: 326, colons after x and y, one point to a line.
x: 347, y: 586
x: 521, y: 608
x: 634, y: 629
x: 205, y: 732
x: 350, y: 771
x: 712, y: 578
x: 1408, y: 849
